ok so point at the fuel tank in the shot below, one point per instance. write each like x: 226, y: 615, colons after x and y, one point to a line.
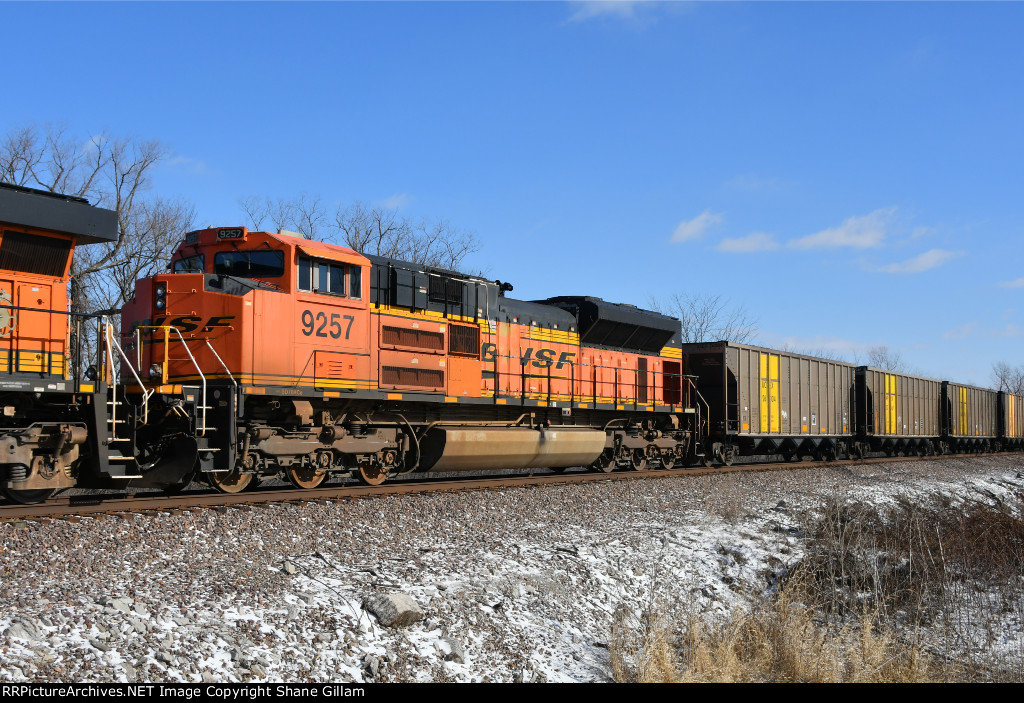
x: 489, y: 448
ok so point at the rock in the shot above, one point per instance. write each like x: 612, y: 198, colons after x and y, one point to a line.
x: 257, y: 671
x: 209, y: 677
x: 290, y: 567
x: 293, y: 612
x: 130, y: 672
x: 394, y: 609
x: 123, y: 605
x: 307, y: 598
x: 371, y: 664
x: 450, y: 650
x: 24, y: 628
x: 182, y: 622
x: 141, y: 610
x: 164, y: 657
x: 102, y: 646
x: 782, y: 507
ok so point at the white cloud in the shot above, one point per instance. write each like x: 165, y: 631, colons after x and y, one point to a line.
x: 589, y: 9
x: 971, y: 329
x: 922, y: 262
x: 863, y: 232
x: 186, y: 164
x: 693, y: 229
x: 1019, y: 283
x: 961, y: 332
x: 755, y: 241
x: 396, y: 201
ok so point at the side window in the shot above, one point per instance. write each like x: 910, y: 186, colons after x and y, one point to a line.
x: 305, y: 274
x: 317, y: 275
x: 355, y: 282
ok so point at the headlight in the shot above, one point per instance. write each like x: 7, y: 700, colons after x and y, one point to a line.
x: 91, y: 373
x: 160, y: 303
x: 156, y: 371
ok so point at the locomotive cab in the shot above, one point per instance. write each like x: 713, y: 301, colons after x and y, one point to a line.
x: 253, y: 308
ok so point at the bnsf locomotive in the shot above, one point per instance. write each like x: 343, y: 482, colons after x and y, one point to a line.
x: 67, y: 418
x: 268, y: 355
x: 313, y: 360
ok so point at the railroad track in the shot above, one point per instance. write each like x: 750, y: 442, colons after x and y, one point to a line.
x: 72, y: 506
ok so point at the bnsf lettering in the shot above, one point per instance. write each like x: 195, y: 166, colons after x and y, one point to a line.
x: 544, y: 358
x: 190, y: 323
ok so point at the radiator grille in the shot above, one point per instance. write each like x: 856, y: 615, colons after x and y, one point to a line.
x: 464, y: 340
x: 403, y: 376
x: 46, y: 256
x: 419, y: 339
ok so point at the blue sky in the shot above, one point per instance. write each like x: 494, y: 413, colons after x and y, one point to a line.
x: 850, y: 173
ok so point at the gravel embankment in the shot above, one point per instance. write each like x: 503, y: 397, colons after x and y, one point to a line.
x: 518, y: 584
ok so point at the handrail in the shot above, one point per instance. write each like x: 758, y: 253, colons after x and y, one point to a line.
x: 222, y: 364
x: 202, y: 430
x: 167, y: 330
x: 147, y: 394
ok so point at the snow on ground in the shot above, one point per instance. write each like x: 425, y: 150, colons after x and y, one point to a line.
x: 516, y: 584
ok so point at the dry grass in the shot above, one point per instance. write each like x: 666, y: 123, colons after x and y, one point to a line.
x: 780, y: 641
x: 919, y: 592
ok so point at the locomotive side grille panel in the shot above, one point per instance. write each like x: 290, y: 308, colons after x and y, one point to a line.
x: 464, y: 340
x: 417, y: 339
x: 46, y: 256
x: 411, y: 377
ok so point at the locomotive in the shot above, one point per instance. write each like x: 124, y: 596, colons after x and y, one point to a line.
x: 266, y: 355
x: 313, y: 360
x: 68, y: 419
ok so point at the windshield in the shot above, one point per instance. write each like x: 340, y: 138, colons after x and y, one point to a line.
x: 190, y: 264
x: 262, y: 263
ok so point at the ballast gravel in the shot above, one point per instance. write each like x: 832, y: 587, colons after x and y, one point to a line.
x: 513, y: 584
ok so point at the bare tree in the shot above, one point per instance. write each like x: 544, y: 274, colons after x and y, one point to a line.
x: 1008, y: 378
x: 110, y: 172
x: 708, y: 318
x: 882, y: 357
x: 367, y: 229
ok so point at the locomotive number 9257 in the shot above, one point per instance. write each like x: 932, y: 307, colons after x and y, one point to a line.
x: 320, y: 325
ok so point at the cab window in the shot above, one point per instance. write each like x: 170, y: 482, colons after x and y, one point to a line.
x: 330, y: 277
x: 260, y: 263
x: 190, y: 264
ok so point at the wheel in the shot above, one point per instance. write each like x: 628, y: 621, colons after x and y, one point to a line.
x: 30, y: 497
x: 668, y: 460
x: 232, y: 481
x: 604, y: 464
x: 371, y: 473
x: 639, y: 460
x: 305, y: 476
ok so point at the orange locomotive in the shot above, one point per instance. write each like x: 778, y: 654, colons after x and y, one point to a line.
x: 66, y: 419
x: 310, y: 359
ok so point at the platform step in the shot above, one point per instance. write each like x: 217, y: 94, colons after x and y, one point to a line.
x: 120, y: 458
